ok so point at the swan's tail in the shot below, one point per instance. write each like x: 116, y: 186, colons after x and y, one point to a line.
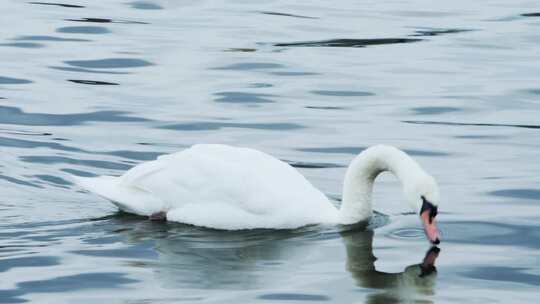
x: 128, y: 199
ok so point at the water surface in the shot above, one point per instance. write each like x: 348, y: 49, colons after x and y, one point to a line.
x: 90, y: 88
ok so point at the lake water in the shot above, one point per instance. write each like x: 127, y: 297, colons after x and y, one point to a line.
x: 95, y: 87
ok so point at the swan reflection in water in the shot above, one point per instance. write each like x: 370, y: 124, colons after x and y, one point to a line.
x: 199, y: 258
x: 414, y: 285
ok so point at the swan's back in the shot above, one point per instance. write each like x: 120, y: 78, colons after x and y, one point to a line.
x: 218, y: 186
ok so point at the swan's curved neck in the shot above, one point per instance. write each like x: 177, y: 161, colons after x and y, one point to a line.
x: 361, y: 174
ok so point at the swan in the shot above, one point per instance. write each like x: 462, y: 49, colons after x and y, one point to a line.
x: 233, y: 188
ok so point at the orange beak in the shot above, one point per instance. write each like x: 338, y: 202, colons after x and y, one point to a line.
x: 430, y: 227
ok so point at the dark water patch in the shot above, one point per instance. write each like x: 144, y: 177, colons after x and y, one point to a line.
x: 29, y: 144
x: 259, y: 85
x: 342, y: 93
x: 58, y: 4
x: 294, y: 73
x: 73, y: 161
x: 533, y: 91
x: 324, y: 108
x: 286, y: 15
x: 51, y: 179
x: 24, y: 45
x: 248, y: 66
x: 24, y: 227
x: 144, y: 250
x: 356, y: 43
x: 531, y: 15
x: 81, y: 70
x: 103, y: 240
x: 109, y: 63
x: 312, y: 165
x: 10, y: 297
x: 92, y: 82
x: 473, y: 136
x: 241, y: 50
x: 242, y: 97
x: 18, y: 181
x: 532, y: 194
x: 50, y: 38
x: 434, y: 110
x: 436, y: 32
x: 490, y: 233
x: 104, y: 20
x: 94, y: 20
x: 208, y: 126
x: 503, y: 274
x: 443, y: 123
x: 83, y: 30
x: 15, y: 116
x: 9, y: 80
x: 293, y: 297
x: 357, y: 150
x: 135, y: 155
x: 423, y: 13
x: 505, y: 19
x: 78, y: 172
x: 30, y: 261
x: 145, y: 5
x: 85, y: 281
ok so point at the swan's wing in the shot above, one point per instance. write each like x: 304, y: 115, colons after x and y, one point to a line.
x: 216, y: 184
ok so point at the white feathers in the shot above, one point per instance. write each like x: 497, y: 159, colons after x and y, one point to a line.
x: 231, y: 188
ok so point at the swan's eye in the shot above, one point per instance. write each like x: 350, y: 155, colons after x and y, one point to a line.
x: 428, y: 206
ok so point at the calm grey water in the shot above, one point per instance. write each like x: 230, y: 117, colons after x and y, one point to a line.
x: 95, y: 87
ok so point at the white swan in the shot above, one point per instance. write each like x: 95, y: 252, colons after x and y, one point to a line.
x: 224, y: 187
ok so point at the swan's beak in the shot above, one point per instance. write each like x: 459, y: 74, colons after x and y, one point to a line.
x: 430, y: 227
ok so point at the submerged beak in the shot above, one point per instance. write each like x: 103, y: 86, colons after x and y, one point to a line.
x: 430, y: 226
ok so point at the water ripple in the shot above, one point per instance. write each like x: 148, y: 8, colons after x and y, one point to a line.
x: 531, y: 194
x: 242, y: 97
x: 248, y: 66
x: 81, y: 70
x: 104, y: 20
x: 342, y: 93
x: 26, y: 45
x: 92, y: 82
x: 470, y: 124
x: 435, y: 110
x: 83, y: 30
x: 109, y: 63
x: 357, y: 150
x: 206, y: 126
x: 286, y: 15
x: 10, y: 80
x: 293, y: 297
x: 355, y: 43
x: 15, y: 116
x: 102, y: 164
x: 143, y: 5
x: 425, y: 32
x: 49, y: 38
x: 531, y: 15
x: 58, y: 4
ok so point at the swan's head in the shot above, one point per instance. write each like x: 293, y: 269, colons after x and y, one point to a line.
x: 423, y: 196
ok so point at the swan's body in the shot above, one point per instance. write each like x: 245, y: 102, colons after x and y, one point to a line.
x: 226, y: 187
